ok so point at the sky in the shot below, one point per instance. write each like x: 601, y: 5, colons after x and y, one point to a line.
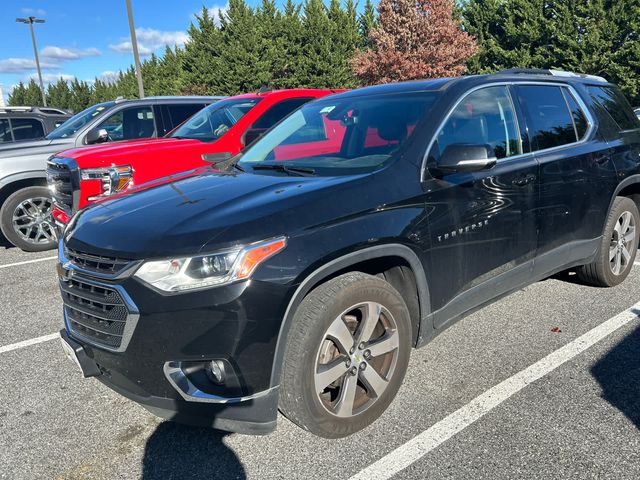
x: 87, y: 38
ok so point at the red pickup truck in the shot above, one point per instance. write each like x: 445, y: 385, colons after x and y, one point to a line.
x: 82, y: 176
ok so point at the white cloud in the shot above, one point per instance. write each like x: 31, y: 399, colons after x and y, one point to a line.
x: 60, y: 53
x: 52, y: 77
x: 109, y: 76
x: 19, y: 65
x: 218, y: 9
x: 150, y: 40
x: 33, y: 11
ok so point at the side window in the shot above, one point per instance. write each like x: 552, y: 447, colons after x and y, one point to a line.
x: 484, y: 117
x: 5, y: 131
x: 277, y: 112
x: 580, y: 122
x: 130, y: 123
x: 174, y: 115
x: 616, y: 105
x: 26, y: 128
x: 549, y: 120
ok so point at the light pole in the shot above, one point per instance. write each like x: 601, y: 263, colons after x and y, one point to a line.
x: 134, y: 44
x: 30, y: 21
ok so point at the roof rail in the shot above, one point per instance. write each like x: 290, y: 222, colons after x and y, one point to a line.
x: 45, y: 110
x: 555, y: 73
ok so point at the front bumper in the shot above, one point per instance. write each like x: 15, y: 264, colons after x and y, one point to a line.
x: 161, y: 363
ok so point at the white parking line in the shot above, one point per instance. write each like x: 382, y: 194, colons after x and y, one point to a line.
x: 27, y: 262
x: 428, y: 440
x: 27, y: 343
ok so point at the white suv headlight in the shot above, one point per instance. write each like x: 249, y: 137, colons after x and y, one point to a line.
x: 189, y: 273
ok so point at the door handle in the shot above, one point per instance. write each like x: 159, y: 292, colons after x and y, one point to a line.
x: 524, y: 180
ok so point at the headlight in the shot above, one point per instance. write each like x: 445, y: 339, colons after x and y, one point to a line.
x: 189, y: 273
x: 113, y: 179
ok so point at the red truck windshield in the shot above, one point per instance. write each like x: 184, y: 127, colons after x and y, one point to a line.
x: 212, y: 122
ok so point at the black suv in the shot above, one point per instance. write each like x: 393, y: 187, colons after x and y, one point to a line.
x: 29, y: 123
x: 299, y: 275
x: 25, y: 201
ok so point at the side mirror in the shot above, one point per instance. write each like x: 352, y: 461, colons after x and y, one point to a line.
x: 97, y: 135
x: 252, y: 135
x: 462, y: 157
x: 217, y: 157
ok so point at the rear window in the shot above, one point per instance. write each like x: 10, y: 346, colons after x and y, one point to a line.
x: 26, y: 128
x: 616, y: 105
x: 548, y: 117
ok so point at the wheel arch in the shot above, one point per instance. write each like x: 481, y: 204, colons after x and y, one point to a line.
x: 12, y: 183
x: 629, y: 187
x: 355, y: 261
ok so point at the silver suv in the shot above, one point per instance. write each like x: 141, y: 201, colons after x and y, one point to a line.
x: 25, y: 202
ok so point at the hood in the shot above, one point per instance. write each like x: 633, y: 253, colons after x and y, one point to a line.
x: 210, y: 210
x: 120, y: 153
x: 35, y: 147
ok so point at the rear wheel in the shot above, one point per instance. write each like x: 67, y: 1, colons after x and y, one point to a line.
x: 25, y: 219
x: 346, y: 355
x: 618, y: 248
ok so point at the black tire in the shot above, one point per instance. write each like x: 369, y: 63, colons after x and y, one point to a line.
x: 27, y: 240
x: 601, y: 271
x: 331, y: 301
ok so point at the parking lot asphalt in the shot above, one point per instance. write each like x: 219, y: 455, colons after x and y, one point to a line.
x: 581, y: 419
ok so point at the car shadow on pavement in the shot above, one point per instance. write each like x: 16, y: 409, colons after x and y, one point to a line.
x: 618, y: 373
x: 179, y: 452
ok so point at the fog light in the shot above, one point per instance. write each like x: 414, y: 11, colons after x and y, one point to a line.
x: 215, y: 372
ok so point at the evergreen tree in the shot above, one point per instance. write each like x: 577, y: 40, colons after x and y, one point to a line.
x: 316, y: 62
x: 33, y: 94
x: 59, y: 94
x: 286, y: 71
x: 367, y: 22
x: 17, y: 97
x: 170, y: 74
x: 80, y: 95
x: 201, y: 54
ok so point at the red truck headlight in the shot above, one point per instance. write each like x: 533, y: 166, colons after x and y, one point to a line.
x: 113, y: 179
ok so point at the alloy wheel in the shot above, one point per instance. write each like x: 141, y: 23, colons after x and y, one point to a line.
x: 356, y: 359
x: 622, y: 241
x: 33, y: 222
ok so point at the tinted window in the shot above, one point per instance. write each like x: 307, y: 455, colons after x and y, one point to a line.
x: 26, y: 128
x: 5, y: 131
x: 484, y: 117
x: 580, y: 121
x: 130, y: 123
x: 278, y: 111
x: 549, y: 120
x: 616, y: 105
x: 179, y: 113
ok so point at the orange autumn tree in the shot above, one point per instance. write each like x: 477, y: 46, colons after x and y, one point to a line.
x: 414, y: 39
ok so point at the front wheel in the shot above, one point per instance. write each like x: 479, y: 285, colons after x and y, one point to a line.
x: 346, y: 355
x: 25, y: 219
x: 618, y: 248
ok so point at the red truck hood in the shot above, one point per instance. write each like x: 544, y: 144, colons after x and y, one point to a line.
x: 122, y: 153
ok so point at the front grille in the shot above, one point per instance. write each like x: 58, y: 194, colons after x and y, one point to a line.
x: 110, y: 266
x: 95, y: 313
x: 61, y: 184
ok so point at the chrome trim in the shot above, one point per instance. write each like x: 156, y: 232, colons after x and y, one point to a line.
x: 74, y: 177
x: 178, y: 380
x: 68, y: 265
x: 574, y: 93
x: 131, y: 320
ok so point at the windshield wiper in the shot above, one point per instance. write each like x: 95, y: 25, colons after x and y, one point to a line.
x: 302, y: 171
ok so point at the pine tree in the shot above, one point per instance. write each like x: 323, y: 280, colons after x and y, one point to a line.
x: 287, y: 71
x: 201, y: 56
x: 33, y: 94
x: 80, y: 95
x: 17, y: 97
x: 414, y: 39
x: 170, y: 74
x: 59, y: 94
x: 367, y: 22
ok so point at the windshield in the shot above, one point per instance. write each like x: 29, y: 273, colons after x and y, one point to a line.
x: 213, y: 122
x: 79, y: 120
x: 340, y: 136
